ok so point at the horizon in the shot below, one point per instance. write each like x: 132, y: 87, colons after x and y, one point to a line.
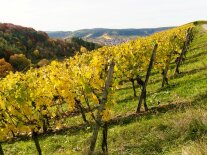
x: 98, y: 28
x: 69, y: 15
x: 114, y: 28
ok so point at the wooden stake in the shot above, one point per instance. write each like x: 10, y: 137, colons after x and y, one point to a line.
x: 143, y: 93
x: 101, y: 108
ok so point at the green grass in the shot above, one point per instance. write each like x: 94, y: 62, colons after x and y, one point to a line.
x: 177, y: 126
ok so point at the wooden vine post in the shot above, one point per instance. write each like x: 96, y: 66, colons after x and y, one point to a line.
x: 184, y: 50
x: 104, y: 138
x: 133, y: 86
x: 190, y: 39
x: 143, y: 92
x: 36, y: 141
x: 98, y: 121
x: 165, y: 71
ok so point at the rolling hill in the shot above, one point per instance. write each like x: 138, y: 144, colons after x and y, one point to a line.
x: 106, y: 36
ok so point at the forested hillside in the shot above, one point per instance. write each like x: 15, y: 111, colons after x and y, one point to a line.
x: 22, y: 46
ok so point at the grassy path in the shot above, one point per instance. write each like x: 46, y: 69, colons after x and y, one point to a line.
x: 205, y: 26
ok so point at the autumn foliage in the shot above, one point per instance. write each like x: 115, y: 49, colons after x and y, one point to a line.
x: 36, y: 45
x: 19, y: 62
x: 5, y: 68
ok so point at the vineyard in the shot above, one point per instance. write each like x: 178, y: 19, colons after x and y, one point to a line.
x: 120, y: 99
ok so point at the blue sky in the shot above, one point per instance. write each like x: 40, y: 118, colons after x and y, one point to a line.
x: 80, y: 14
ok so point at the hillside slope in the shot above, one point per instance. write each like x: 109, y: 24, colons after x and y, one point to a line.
x: 176, y: 126
x: 36, y: 45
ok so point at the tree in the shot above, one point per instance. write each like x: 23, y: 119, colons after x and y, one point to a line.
x: 42, y: 62
x: 5, y: 68
x: 20, y: 62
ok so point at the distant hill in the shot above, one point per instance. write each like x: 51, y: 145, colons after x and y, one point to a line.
x: 18, y: 42
x: 58, y: 34
x: 106, y: 36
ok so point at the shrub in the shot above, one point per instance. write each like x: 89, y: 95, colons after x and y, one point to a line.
x: 5, y: 68
x: 83, y: 49
x: 36, y: 54
x: 19, y: 62
x: 42, y: 62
